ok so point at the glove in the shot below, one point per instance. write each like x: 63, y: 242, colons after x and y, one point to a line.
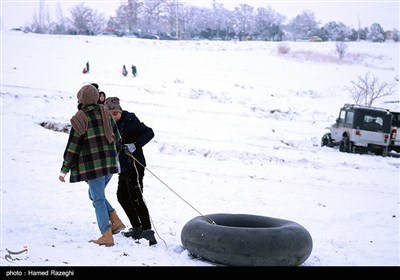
x: 129, y: 148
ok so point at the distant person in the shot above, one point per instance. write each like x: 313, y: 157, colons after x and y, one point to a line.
x: 124, y: 71
x: 102, y: 97
x: 95, y: 85
x: 91, y: 155
x: 86, y: 68
x: 134, y: 70
x: 135, y: 134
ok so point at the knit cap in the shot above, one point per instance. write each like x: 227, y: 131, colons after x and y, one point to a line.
x: 87, y: 95
x: 112, y: 104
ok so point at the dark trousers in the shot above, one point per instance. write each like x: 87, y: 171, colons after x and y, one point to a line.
x: 129, y: 195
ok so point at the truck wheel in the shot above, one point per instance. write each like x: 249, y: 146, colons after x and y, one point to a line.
x: 344, y: 145
x: 385, y: 151
x: 326, y: 140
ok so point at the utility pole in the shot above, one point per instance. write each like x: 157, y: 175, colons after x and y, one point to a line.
x: 359, y: 28
x: 176, y: 20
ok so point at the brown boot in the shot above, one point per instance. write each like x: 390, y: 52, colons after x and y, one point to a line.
x: 116, y: 223
x: 106, y: 239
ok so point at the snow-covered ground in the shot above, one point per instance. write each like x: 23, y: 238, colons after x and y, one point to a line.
x: 237, y: 130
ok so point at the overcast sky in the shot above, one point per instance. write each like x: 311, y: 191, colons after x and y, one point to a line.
x: 16, y: 13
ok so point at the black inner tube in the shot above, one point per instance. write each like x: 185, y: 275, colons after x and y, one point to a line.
x: 247, y: 240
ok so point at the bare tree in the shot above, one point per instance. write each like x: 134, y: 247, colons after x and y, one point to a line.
x: 40, y: 23
x: 62, y: 21
x: 268, y: 24
x: 85, y: 20
x: 341, y: 48
x: 244, y: 20
x: 303, y: 25
x: 128, y: 17
x: 153, y: 15
x: 219, y: 20
x: 367, y: 89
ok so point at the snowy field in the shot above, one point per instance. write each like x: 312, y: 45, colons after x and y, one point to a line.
x: 237, y: 130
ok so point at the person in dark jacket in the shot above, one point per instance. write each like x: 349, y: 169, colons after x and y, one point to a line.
x: 135, y: 134
x: 91, y: 155
x: 86, y: 69
x: 134, y: 70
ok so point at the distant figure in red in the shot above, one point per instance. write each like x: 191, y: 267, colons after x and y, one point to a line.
x: 134, y: 70
x: 124, y: 71
x: 86, y: 69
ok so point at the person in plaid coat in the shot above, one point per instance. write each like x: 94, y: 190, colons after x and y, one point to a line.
x: 91, y: 155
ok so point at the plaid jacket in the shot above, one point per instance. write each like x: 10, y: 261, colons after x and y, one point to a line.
x: 89, y: 156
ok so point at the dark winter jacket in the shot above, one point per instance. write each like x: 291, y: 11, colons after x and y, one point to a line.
x: 89, y: 155
x: 134, y: 131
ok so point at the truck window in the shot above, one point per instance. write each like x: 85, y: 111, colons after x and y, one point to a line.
x: 373, y: 122
x: 342, y: 115
x: 349, y: 118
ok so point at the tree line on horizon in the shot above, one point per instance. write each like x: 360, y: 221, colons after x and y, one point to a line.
x: 169, y: 19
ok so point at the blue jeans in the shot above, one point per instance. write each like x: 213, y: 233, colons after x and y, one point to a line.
x: 101, y: 206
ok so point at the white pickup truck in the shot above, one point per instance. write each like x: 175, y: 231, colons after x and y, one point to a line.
x: 361, y: 129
